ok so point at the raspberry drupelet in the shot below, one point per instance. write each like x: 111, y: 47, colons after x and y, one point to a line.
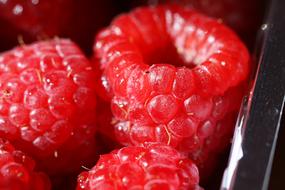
x: 48, y: 102
x: 152, y: 166
x: 175, y: 76
x: 17, y: 170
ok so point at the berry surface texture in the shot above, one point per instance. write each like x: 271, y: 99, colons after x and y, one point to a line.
x: 151, y: 167
x: 121, y: 95
x: 48, y: 101
x: 175, y: 77
x: 17, y: 170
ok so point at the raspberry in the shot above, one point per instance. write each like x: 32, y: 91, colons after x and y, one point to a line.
x: 17, y: 170
x: 48, y: 100
x: 33, y: 16
x: 153, y: 166
x: 32, y: 19
x: 184, y: 104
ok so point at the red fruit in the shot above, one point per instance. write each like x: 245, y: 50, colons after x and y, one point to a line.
x: 153, y: 166
x: 39, y: 19
x: 34, y: 15
x: 48, y: 99
x: 32, y: 19
x: 179, y: 104
x: 17, y: 170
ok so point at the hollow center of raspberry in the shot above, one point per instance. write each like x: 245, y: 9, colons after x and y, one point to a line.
x: 189, y: 53
x: 167, y: 54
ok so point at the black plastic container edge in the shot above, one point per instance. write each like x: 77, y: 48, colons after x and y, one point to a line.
x: 265, y: 105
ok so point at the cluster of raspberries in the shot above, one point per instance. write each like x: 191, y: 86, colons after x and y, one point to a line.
x: 164, y: 81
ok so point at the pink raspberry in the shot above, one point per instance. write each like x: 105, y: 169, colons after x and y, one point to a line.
x: 175, y: 76
x: 17, y: 170
x: 48, y: 101
x: 153, y: 166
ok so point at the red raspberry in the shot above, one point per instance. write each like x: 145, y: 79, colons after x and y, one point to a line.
x: 153, y: 166
x: 48, y: 100
x: 38, y: 19
x: 34, y: 16
x: 17, y: 170
x: 182, y: 106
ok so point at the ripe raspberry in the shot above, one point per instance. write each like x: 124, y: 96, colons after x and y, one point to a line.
x: 48, y: 100
x: 153, y: 166
x: 17, y: 170
x: 32, y: 19
x: 183, y: 106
